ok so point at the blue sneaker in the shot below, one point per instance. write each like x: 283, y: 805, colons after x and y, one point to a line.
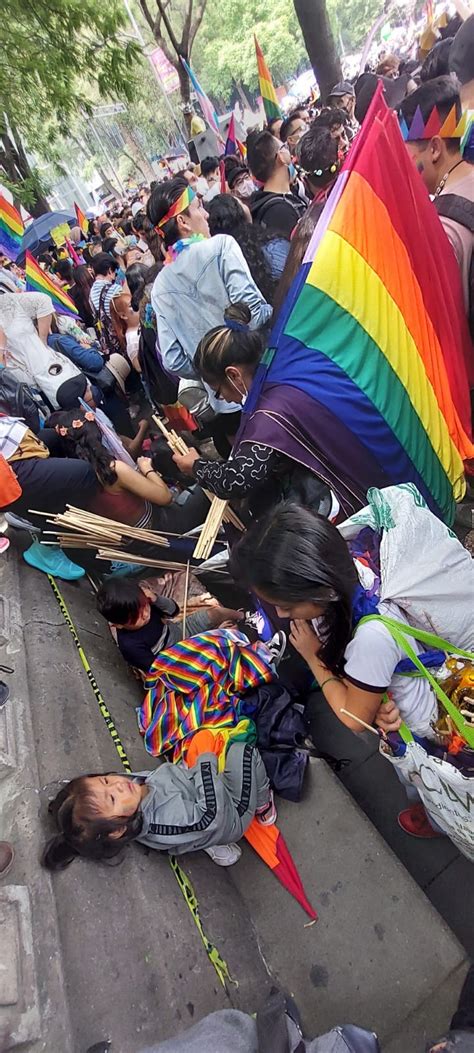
x: 52, y: 560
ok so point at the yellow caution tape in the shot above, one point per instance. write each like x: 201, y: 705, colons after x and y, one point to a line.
x: 184, y: 883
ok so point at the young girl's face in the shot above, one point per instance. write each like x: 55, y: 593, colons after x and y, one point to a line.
x: 116, y: 796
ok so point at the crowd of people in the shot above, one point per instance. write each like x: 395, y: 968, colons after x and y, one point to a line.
x: 176, y: 291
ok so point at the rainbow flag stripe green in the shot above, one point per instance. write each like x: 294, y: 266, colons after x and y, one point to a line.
x: 367, y: 374
x: 38, y: 281
x: 267, y: 90
x: 11, y: 229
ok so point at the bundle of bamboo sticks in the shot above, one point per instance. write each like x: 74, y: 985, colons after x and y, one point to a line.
x: 220, y: 510
x: 77, y: 528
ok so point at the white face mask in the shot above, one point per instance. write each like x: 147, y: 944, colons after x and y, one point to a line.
x: 243, y: 396
x: 246, y: 188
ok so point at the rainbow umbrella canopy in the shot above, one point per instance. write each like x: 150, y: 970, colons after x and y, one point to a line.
x: 365, y: 379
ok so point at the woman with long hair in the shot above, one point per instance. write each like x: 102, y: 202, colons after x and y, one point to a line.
x: 227, y: 359
x: 265, y: 252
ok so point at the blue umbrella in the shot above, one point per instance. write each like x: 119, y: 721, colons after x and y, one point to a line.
x: 37, y: 235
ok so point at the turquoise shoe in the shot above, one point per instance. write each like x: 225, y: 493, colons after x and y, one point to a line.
x: 52, y: 560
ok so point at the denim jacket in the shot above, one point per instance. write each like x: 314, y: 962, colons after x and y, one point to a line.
x: 190, y: 295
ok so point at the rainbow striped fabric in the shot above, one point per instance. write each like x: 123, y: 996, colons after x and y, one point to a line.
x: 197, y: 684
x: 366, y: 375
x: 11, y: 229
x: 38, y: 281
x: 267, y: 90
x: 82, y: 221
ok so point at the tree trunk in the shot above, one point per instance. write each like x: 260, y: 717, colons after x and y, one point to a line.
x: 317, y: 33
x: 16, y: 166
x: 185, y: 91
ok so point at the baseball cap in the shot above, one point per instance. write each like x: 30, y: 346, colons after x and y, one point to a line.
x: 137, y: 207
x: 343, y: 88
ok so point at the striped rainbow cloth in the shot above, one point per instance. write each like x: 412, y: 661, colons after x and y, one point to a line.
x: 38, y: 281
x: 267, y: 90
x: 197, y: 684
x: 365, y: 381
x: 11, y: 229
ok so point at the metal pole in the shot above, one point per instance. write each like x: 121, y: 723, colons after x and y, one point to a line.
x: 142, y: 42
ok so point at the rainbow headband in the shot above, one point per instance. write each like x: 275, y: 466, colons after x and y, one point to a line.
x: 179, y: 206
x: 450, y: 128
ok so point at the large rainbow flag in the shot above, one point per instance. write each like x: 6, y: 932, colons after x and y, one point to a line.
x: 11, y: 229
x: 365, y: 380
x: 38, y: 281
x: 267, y: 90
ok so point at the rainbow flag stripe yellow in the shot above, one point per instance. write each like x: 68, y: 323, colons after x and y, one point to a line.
x: 11, y: 229
x: 38, y: 281
x: 82, y: 221
x: 267, y: 90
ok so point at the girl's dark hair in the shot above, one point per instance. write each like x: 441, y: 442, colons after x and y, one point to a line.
x: 224, y: 346
x: 93, y: 225
x: 159, y: 203
x: 85, y: 443
x: 293, y: 556
x: 299, y: 243
x: 104, y: 227
x: 64, y: 269
x: 109, y: 246
x: 82, y: 831
x: 226, y: 216
x: 120, y: 600
x: 83, y: 278
x: 137, y: 276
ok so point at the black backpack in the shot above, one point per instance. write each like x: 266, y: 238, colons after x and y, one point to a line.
x: 17, y: 400
x: 461, y: 211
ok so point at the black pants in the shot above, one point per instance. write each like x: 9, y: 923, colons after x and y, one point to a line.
x: 49, y: 484
x: 223, y: 428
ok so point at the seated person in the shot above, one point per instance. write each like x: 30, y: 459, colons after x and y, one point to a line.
x: 138, y: 616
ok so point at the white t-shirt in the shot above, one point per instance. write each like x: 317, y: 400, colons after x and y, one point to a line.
x: 370, y: 660
x: 28, y: 359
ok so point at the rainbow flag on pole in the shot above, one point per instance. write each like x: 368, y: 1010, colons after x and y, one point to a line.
x: 82, y: 221
x: 209, y: 113
x: 267, y: 90
x: 366, y: 378
x: 38, y: 281
x: 11, y: 229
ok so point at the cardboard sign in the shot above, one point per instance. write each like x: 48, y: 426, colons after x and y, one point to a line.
x: 60, y: 234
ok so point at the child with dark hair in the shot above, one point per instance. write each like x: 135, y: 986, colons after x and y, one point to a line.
x: 140, y: 620
x: 264, y: 251
x: 172, y: 809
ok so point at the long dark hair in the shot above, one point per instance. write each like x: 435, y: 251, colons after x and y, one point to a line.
x: 81, y: 829
x: 82, y: 438
x: 293, y: 556
x: 225, y: 346
x: 226, y: 216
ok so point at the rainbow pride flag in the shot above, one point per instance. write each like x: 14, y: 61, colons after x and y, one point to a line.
x: 82, y: 220
x: 11, y: 229
x: 38, y: 281
x: 365, y: 381
x: 267, y: 90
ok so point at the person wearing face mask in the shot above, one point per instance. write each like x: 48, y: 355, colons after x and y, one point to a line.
x: 227, y: 359
x: 292, y: 129
x: 276, y: 206
x: 240, y: 183
x: 200, y: 277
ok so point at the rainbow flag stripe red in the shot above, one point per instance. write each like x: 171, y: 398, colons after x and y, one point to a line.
x: 11, y: 229
x: 366, y: 377
x: 38, y: 281
x: 183, y: 202
x: 82, y: 221
x: 267, y: 90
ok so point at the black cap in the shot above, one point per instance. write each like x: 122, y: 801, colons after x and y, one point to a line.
x: 343, y: 88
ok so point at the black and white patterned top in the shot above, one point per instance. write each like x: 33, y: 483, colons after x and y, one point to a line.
x: 239, y: 475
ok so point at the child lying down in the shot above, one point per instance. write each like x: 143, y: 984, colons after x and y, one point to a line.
x: 172, y: 808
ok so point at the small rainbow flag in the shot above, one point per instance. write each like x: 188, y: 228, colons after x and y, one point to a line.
x: 38, y: 281
x: 366, y: 378
x: 267, y: 90
x: 82, y: 220
x: 11, y: 229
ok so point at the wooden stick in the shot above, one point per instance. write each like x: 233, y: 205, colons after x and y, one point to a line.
x: 362, y: 722
x: 126, y: 557
x: 185, y: 604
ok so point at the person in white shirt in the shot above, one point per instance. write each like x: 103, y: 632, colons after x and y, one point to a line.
x: 23, y: 347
